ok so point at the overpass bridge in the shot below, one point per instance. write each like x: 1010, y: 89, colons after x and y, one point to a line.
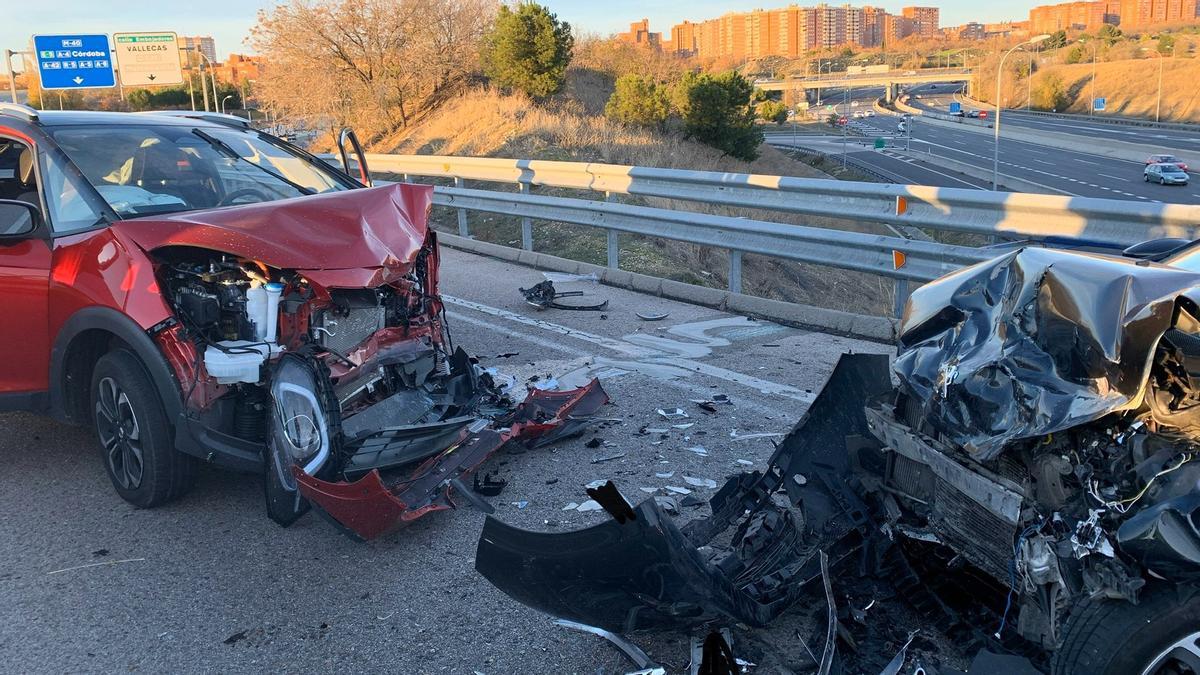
x: 891, y: 81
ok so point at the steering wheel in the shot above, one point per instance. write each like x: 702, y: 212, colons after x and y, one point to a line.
x: 244, y: 192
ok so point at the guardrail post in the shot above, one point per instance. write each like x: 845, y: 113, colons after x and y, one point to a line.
x: 614, y: 250
x: 526, y: 224
x: 463, y: 230
x: 901, y: 297
x: 735, y: 271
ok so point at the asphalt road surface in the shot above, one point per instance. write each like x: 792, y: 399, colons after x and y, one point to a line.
x: 88, y: 583
x: 938, y: 98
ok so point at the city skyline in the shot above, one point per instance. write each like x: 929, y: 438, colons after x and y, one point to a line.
x: 229, y: 21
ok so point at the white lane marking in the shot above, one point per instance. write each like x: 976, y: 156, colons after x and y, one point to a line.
x: 584, y: 366
x: 649, y: 355
x: 1040, y: 161
x: 1120, y: 178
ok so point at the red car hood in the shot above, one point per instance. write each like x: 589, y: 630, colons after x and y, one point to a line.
x: 356, y: 238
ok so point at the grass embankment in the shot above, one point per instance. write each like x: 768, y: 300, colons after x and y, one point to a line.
x: 1129, y: 87
x: 479, y: 121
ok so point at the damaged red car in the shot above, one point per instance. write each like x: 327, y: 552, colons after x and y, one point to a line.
x: 200, y: 291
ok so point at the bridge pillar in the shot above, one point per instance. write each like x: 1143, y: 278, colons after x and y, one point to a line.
x: 890, y: 92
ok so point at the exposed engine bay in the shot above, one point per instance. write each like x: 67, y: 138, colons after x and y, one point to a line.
x: 332, y: 387
x: 1038, y: 458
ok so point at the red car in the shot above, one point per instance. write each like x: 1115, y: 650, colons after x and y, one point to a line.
x: 199, y: 291
x: 1166, y: 159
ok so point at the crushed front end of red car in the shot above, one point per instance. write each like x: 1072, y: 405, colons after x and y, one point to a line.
x: 309, y: 340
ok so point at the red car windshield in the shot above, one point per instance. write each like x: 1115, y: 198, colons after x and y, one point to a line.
x: 148, y: 169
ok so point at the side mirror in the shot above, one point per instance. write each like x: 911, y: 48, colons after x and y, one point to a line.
x: 364, y: 174
x: 18, y: 219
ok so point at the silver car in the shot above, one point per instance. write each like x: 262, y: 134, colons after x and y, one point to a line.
x: 1165, y: 174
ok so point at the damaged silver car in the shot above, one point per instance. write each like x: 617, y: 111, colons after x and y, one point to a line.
x: 1029, y: 481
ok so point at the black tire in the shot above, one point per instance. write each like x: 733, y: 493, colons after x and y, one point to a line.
x: 1113, y: 637
x: 136, y: 445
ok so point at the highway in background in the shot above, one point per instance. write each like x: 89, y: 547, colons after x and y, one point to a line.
x: 1056, y: 171
x: 939, y: 97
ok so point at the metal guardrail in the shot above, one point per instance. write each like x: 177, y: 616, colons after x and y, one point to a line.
x: 1074, y: 220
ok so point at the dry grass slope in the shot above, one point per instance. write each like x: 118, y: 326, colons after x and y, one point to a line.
x: 480, y: 121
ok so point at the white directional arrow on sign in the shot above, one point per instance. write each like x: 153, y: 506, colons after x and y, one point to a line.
x: 78, y: 80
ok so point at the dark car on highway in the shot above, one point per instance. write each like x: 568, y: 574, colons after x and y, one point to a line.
x: 1165, y: 174
x: 196, y: 290
x: 1166, y: 159
x: 973, y: 114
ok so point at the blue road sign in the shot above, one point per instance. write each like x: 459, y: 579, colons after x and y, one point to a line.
x: 74, y: 61
x: 955, y: 107
x: 1099, y: 104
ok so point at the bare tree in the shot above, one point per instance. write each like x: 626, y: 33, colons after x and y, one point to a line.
x: 366, y: 63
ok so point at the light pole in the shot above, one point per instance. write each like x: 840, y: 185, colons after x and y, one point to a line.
x: 820, y: 69
x: 223, y: 103
x: 996, y: 125
x: 1092, y: 107
x: 1158, y: 103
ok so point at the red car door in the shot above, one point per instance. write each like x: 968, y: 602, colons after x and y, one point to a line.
x: 24, y: 284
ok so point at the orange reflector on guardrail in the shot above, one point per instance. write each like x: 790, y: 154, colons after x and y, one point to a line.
x: 898, y: 259
x: 901, y: 205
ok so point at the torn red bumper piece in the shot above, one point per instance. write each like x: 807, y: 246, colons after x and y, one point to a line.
x: 370, y: 508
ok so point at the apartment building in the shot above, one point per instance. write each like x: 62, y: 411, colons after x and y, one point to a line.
x: 639, y: 34
x: 1074, y: 16
x: 1134, y: 13
x: 925, y: 20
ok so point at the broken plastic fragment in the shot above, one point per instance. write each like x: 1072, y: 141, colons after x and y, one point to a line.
x: 678, y: 490
x: 589, y: 505
x: 667, y: 474
x: 571, y: 506
x: 649, y: 490
x: 520, y: 504
x: 745, y: 462
x: 607, y: 458
x: 683, y: 426
x: 566, y: 277
x: 677, y: 413
x: 746, y: 437
x: 594, y: 484
x: 699, y: 450
x: 649, y: 316
x: 700, y: 482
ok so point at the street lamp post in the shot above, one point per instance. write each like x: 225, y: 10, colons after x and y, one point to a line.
x: 1092, y: 107
x: 223, y: 103
x: 996, y: 124
x: 1158, y: 103
x: 821, y: 69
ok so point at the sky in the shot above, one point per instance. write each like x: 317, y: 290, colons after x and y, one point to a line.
x: 229, y: 21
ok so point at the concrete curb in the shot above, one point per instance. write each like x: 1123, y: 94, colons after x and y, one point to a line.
x: 877, y: 328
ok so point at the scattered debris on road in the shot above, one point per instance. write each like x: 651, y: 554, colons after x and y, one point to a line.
x: 544, y: 296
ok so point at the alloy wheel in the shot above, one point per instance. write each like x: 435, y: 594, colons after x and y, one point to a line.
x: 1181, y: 658
x: 120, y: 434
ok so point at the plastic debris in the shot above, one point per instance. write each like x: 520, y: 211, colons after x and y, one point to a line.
x: 543, y: 296
x: 595, y: 484
x: 649, y: 316
x: 521, y: 504
x: 668, y: 504
x: 566, y: 277
x: 691, y: 500
x: 590, y: 505
x: 571, y: 506
x: 688, y: 425
x: 678, y: 490
x: 677, y: 413
x: 594, y: 443
x: 745, y: 462
x: 746, y: 437
x: 596, y: 459
x: 700, y: 482
x: 488, y: 487
x: 667, y: 474
x: 649, y: 490
x: 699, y: 450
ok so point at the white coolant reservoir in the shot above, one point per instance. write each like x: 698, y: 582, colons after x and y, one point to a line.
x: 231, y: 361
x: 256, y: 308
x: 271, y: 319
